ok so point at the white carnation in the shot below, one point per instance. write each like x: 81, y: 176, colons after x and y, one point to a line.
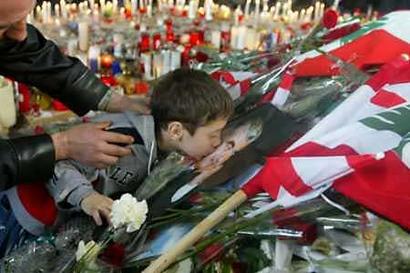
x: 128, y: 212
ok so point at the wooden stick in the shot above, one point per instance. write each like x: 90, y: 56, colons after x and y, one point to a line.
x: 166, y: 259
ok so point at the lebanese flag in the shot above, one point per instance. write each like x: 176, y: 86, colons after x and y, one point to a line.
x: 237, y: 83
x: 283, y: 91
x: 345, y: 151
x: 375, y: 44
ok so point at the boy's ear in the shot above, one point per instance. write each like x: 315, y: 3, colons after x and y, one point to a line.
x: 175, y: 130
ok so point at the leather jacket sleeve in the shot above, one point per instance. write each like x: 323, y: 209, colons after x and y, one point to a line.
x: 26, y: 159
x: 39, y: 62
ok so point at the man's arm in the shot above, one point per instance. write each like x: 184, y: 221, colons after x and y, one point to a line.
x: 39, y: 62
x: 25, y: 159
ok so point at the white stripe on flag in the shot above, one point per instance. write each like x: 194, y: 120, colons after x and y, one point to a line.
x: 361, y: 138
x: 280, y: 97
x: 315, y: 171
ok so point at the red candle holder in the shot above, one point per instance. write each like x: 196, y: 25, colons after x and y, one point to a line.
x: 168, y: 25
x: 225, y: 40
x: 194, y: 38
x: 144, y: 44
x: 170, y: 36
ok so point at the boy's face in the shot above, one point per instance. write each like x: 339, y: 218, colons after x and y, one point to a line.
x: 204, y: 141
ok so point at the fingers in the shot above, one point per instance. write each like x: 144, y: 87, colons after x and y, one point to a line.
x: 115, y: 150
x: 112, y: 137
x: 103, y: 161
x: 103, y: 124
x: 97, y: 218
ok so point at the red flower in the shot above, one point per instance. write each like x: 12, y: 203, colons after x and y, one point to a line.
x: 114, y: 254
x: 211, y: 253
x: 341, y: 32
x: 330, y: 18
x: 195, y: 198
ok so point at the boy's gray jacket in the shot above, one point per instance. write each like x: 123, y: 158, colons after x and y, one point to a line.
x: 72, y: 181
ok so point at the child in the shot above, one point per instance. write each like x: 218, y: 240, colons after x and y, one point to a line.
x: 189, y: 112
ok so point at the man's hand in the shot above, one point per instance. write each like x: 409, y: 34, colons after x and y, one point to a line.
x: 91, y: 145
x: 119, y: 103
x: 97, y: 206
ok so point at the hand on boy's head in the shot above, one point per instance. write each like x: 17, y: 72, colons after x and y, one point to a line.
x: 97, y: 206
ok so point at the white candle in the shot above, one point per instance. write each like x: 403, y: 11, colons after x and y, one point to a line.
x: 166, y: 61
x: 277, y: 10
x: 83, y: 35
x: 57, y: 10
x: 146, y: 60
x: 175, y: 59
x: 91, y: 3
x: 257, y: 9
x: 234, y: 37
x: 250, y: 39
x: 149, y: 8
x: 216, y: 39
x: 247, y: 6
x: 208, y: 10
x: 134, y: 7
x: 322, y: 10
x: 317, y: 11
x: 309, y: 13
x: 302, y: 15
x: 192, y: 10
x: 115, y: 6
x: 102, y: 5
x: 241, y: 39
x: 8, y: 105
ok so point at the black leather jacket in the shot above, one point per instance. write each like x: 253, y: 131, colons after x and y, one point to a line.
x: 39, y: 62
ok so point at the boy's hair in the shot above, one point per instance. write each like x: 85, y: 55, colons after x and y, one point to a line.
x: 191, y: 97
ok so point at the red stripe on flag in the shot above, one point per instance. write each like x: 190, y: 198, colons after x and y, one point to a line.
x: 245, y: 85
x: 224, y: 76
x: 315, y: 149
x: 387, y: 99
x: 277, y: 172
x: 287, y: 81
x: 394, y: 72
x: 383, y: 187
x: 373, y: 49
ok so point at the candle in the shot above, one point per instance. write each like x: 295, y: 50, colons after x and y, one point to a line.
x: 216, y: 39
x: 247, y: 6
x: 146, y: 61
x: 208, y: 10
x: 57, y: 10
x: 192, y: 10
x: 241, y: 38
x: 234, y: 37
x: 317, y: 11
x: 157, y: 65
x: 166, y: 61
x: 102, y: 5
x: 134, y: 7
x: 257, y: 10
x: 83, y: 35
x: 114, y: 6
x: 277, y: 10
x: 156, y: 41
x: 175, y: 59
x: 149, y: 8
x: 322, y: 10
